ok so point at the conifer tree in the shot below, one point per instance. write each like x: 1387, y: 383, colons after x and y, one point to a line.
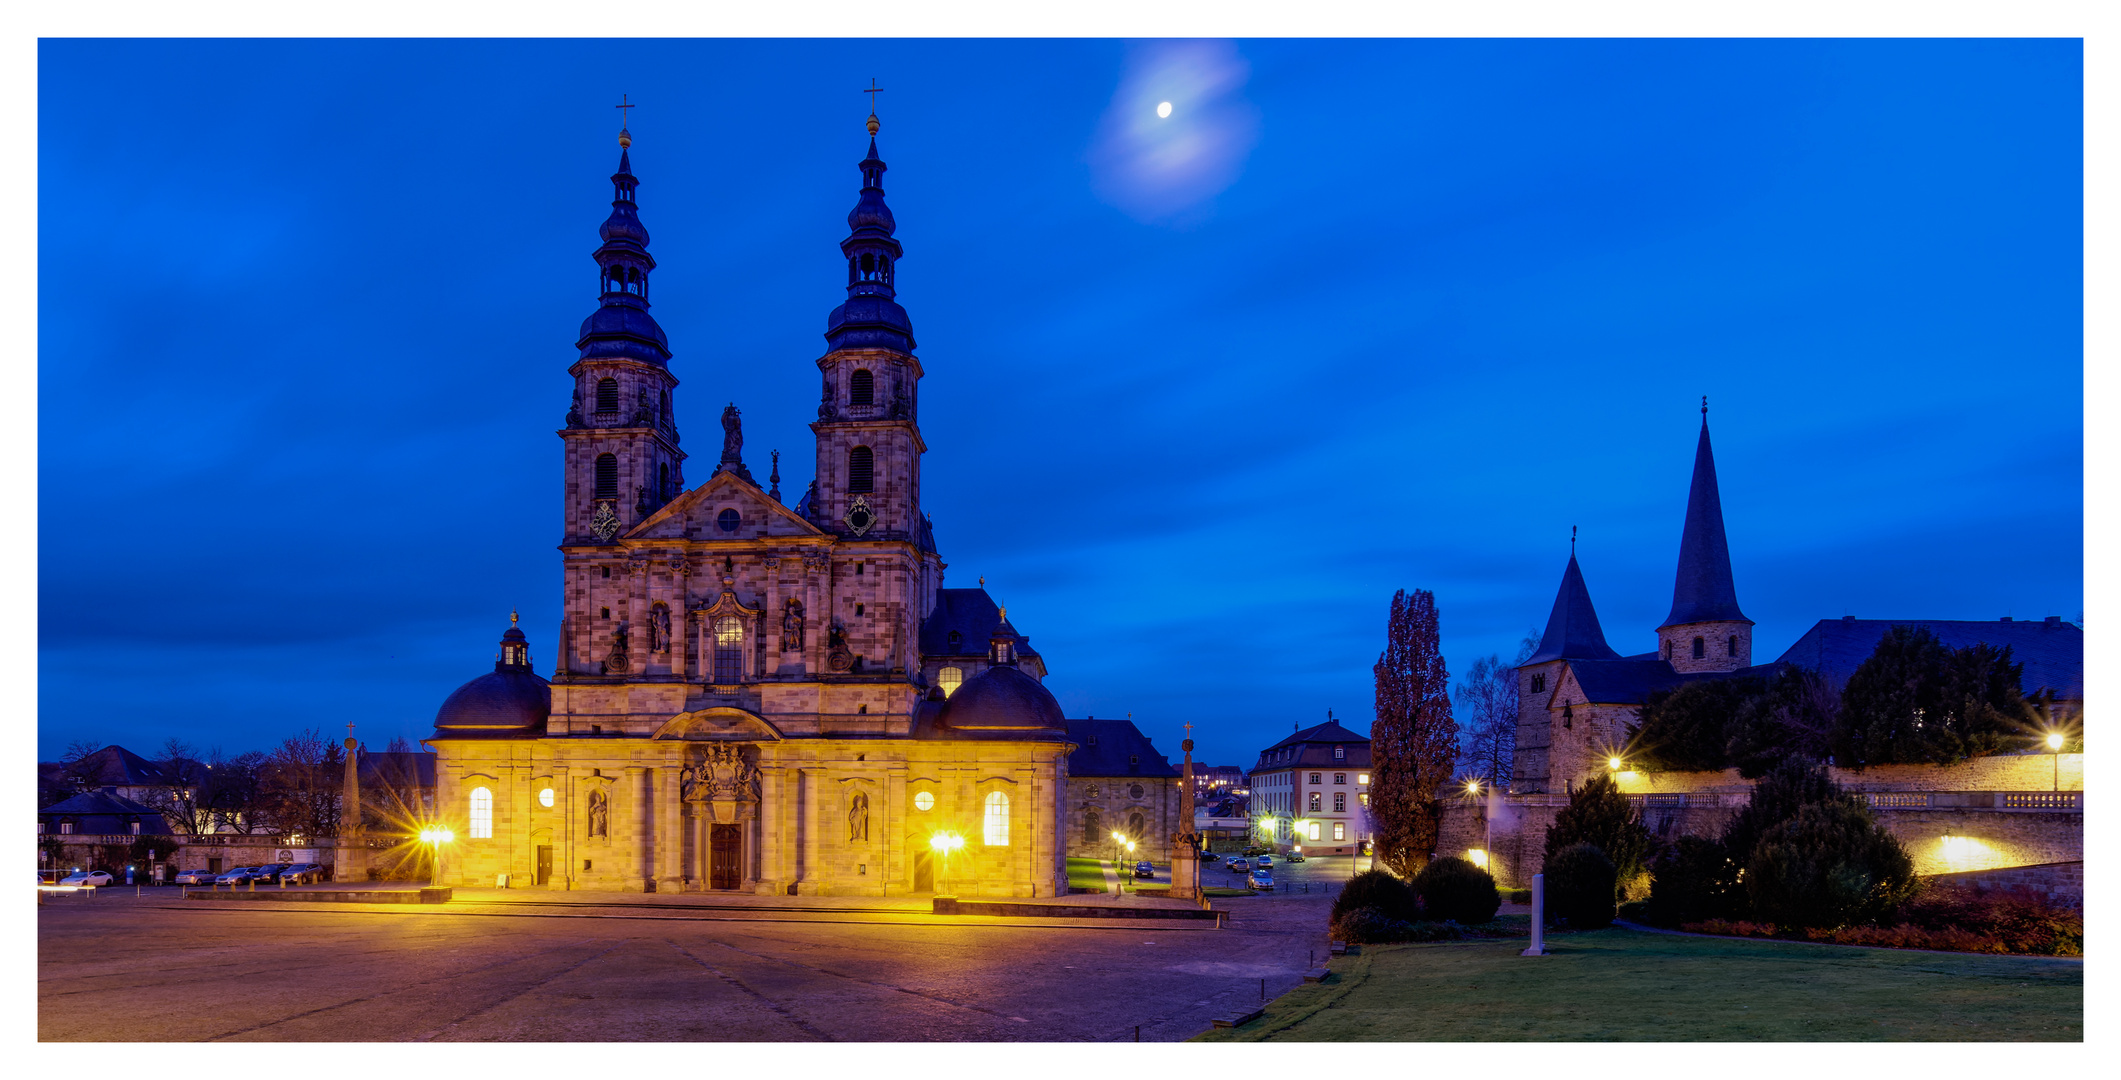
x: 1414, y: 743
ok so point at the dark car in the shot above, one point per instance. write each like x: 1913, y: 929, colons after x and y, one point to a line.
x: 1145, y: 870
x: 236, y: 876
x: 271, y: 872
x: 1294, y: 856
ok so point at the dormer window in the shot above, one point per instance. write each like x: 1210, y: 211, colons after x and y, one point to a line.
x: 956, y: 641
x: 950, y: 678
x: 1340, y: 753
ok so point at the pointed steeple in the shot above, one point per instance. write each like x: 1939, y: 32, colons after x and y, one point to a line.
x: 621, y: 326
x: 1702, y: 590
x: 1572, y: 627
x: 871, y: 318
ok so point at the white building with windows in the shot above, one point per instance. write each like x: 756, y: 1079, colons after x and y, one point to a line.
x: 1311, y: 791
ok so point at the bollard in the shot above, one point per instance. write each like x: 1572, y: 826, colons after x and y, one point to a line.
x: 1539, y: 917
x: 1262, y: 989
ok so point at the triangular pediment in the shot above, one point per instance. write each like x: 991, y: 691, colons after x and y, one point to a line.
x: 698, y: 514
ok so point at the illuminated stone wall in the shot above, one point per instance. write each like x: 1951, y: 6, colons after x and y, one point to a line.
x: 1114, y: 800
x: 1997, y: 772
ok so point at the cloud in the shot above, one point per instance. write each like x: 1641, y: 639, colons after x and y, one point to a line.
x: 1162, y: 168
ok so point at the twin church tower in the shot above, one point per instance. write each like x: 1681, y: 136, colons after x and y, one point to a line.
x: 746, y: 695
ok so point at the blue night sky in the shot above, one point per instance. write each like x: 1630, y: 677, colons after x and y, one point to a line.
x: 1201, y: 392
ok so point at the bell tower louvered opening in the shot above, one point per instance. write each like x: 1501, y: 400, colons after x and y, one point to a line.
x: 607, y: 476
x: 861, y: 388
x: 861, y: 469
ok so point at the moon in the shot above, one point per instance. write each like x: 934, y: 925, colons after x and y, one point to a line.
x: 1163, y: 109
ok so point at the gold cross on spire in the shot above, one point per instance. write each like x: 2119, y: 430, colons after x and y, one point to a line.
x: 873, y: 91
x: 625, y: 140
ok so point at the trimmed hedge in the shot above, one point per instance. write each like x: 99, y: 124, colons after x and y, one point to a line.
x: 1454, y: 889
x: 1381, y: 890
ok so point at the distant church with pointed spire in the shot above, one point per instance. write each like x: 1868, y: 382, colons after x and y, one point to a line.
x: 1577, y: 697
x: 751, y: 696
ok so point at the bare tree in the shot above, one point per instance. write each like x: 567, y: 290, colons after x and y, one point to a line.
x: 299, y: 787
x: 1489, y: 694
x: 180, y: 788
x: 231, y: 794
x: 1414, y: 742
x: 74, y: 766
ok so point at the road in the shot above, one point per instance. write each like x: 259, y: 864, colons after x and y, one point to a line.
x: 156, y: 967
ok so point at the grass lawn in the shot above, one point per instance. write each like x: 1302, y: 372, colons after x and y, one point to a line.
x: 1628, y: 985
x: 1086, y: 874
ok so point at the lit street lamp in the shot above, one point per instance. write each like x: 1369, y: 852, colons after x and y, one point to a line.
x: 2054, y: 744
x: 437, y: 835
x: 944, y: 843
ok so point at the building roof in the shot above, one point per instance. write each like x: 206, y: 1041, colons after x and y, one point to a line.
x: 1702, y: 590
x: 115, y: 766
x: 970, y: 614
x: 1105, y: 747
x: 1634, y: 679
x: 105, y: 812
x: 1003, y: 698
x: 1572, y: 627
x: 2052, y: 651
x: 1313, y: 746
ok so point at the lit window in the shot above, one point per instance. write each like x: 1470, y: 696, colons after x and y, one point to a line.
x: 1340, y: 830
x: 924, y: 801
x: 481, y: 814
x: 728, y: 649
x: 1362, y: 778
x: 949, y: 679
x: 1314, y: 806
x: 1314, y: 830
x: 1363, y: 798
x: 545, y: 798
x: 66, y: 828
x: 1340, y: 802
x: 997, y: 830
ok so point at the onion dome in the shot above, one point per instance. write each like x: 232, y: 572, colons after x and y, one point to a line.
x: 621, y: 326
x: 512, y: 700
x: 871, y: 318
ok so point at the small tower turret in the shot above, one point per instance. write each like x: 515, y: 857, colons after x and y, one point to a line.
x: 1705, y: 630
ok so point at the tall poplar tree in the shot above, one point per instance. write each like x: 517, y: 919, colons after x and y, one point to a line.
x: 1414, y: 743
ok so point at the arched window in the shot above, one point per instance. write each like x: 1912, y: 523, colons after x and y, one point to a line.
x: 1700, y: 649
x: 662, y: 481
x: 607, y: 395
x: 1135, y: 827
x: 1091, y: 824
x: 861, y: 469
x: 481, y: 814
x: 728, y: 649
x: 607, y: 476
x: 997, y: 821
x: 861, y: 389
x: 1731, y: 647
x: 950, y: 678
x: 666, y: 408
x: 1539, y: 684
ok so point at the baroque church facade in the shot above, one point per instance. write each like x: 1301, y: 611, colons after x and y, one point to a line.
x: 751, y: 696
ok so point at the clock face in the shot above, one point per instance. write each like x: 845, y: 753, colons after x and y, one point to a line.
x: 606, y: 522
x: 859, y: 517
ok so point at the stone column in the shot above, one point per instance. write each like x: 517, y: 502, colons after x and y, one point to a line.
x: 630, y: 829
x: 352, y: 856
x: 564, y: 862
x: 772, y: 562
x: 669, y: 837
x: 678, y: 618
x: 637, y: 615
x: 817, y: 619
x: 804, y: 828
x: 773, y: 875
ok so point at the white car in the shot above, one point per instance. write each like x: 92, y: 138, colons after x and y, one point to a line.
x: 90, y: 878
x: 196, y: 877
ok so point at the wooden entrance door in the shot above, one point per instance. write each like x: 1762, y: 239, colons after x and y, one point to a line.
x: 923, y: 872
x: 724, y: 848
x: 544, y: 864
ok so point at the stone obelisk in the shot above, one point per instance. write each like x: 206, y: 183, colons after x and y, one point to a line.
x: 352, y: 864
x: 1185, y: 854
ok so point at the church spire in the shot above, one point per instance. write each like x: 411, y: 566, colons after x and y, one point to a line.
x: 621, y: 326
x: 1572, y: 630
x: 1702, y: 590
x: 871, y: 318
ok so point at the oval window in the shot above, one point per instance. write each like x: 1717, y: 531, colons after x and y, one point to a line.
x: 1093, y: 791
x: 728, y: 520
x: 545, y: 798
x: 1134, y: 792
x: 924, y: 801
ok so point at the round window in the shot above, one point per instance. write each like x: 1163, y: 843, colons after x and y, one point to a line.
x: 545, y: 797
x: 924, y: 801
x: 1092, y: 791
x: 1134, y: 792
x: 728, y: 520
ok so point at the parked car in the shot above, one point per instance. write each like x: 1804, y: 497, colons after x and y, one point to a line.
x: 1236, y: 863
x: 1145, y: 870
x: 237, y: 876
x: 1294, y: 856
x: 196, y: 877
x: 91, y: 878
x: 1263, y: 881
x: 1264, y: 862
x: 270, y: 872
x: 302, y: 873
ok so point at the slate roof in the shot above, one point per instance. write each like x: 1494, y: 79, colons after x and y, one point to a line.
x: 1102, y: 748
x: 1702, y: 590
x: 2052, y: 651
x: 973, y: 615
x: 104, y: 812
x: 1313, y: 746
x: 115, y: 766
x: 1630, y: 681
x: 1572, y: 627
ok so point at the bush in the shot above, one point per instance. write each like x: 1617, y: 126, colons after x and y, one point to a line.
x: 2017, y: 923
x: 1517, y: 896
x: 1379, y: 890
x: 1598, y: 814
x: 1694, y: 879
x: 1580, y: 884
x: 1687, y: 728
x: 1830, y: 866
x: 1730, y: 928
x: 1369, y: 926
x: 1452, y: 888
x: 1433, y: 931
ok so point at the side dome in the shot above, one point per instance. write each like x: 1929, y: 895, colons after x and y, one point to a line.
x: 513, y: 702
x: 1002, y: 698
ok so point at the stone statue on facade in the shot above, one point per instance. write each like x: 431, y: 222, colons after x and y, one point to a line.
x: 733, y: 443
x: 858, y: 817
x: 825, y: 410
x: 574, y: 411
x: 599, y: 813
x: 792, y: 625
x: 659, y: 629
x: 723, y: 776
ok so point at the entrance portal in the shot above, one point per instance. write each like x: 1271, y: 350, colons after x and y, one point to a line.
x: 544, y: 864
x: 923, y: 871
x: 724, y: 848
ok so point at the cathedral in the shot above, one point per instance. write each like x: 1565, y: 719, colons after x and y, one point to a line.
x: 750, y: 696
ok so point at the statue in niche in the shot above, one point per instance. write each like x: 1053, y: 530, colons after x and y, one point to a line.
x: 659, y: 629
x: 599, y: 813
x: 858, y: 817
x: 792, y: 625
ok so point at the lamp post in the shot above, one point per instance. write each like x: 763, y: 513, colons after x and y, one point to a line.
x: 943, y: 844
x: 2054, y: 745
x: 436, y: 836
